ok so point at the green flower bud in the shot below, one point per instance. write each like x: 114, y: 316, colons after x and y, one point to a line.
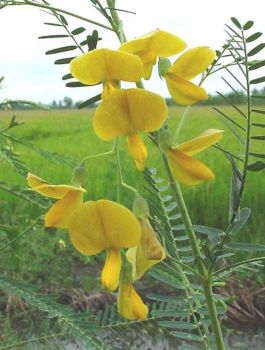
x: 140, y: 208
x: 165, y: 138
x: 163, y: 66
x: 79, y: 175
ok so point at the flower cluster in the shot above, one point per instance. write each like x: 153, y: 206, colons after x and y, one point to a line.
x: 103, y: 225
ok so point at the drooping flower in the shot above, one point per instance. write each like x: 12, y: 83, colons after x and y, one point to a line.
x: 107, y: 67
x: 186, y: 169
x: 185, y: 68
x: 130, y: 304
x: 157, y: 43
x: 127, y: 112
x: 101, y: 225
x: 69, y: 199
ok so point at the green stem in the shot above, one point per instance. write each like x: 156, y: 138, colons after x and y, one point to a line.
x: 206, y: 280
x: 27, y: 2
x: 100, y: 154
x: 20, y: 235
x: 181, y: 123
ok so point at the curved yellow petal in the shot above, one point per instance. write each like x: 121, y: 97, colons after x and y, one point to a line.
x: 183, y: 91
x: 35, y: 181
x: 137, y: 150
x: 121, y: 226
x: 103, y: 64
x: 130, y: 305
x: 57, y: 191
x: 200, y: 143
x: 111, y: 272
x: 187, y: 170
x: 162, y: 43
x: 127, y: 111
x: 193, y: 62
x: 147, y: 254
x: 109, y: 87
x: 148, y: 68
x: 96, y: 226
x: 60, y: 213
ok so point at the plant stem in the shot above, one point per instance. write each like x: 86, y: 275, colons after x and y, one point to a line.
x: 181, y: 123
x: 206, y: 280
x: 31, y: 3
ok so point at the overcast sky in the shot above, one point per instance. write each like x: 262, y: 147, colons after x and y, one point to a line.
x: 30, y: 74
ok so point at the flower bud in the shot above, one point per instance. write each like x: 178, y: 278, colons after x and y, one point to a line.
x: 140, y: 208
x: 163, y: 66
x: 79, y: 175
x: 165, y: 138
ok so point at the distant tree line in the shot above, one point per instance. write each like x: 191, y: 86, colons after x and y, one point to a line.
x: 68, y: 103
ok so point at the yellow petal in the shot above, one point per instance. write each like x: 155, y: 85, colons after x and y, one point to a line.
x: 35, y: 181
x: 193, y: 62
x: 162, y: 43
x: 111, y: 272
x: 60, y: 213
x: 200, y: 143
x: 96, y: 226
x: 148, y: 68
x: 130, y: 305
x: 183, y: 91
x: 127, y: 111
x: 137, y: 150
x: 187, y: 170
x: 103, y: 64
x: 108, y: 88
x: 147, y: 254
x: 57, y: 191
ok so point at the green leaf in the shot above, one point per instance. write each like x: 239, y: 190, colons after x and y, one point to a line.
x: 54, y: 36
x: 176, y: 325
x: 257, y: 166
x: 90, y: 101
x: 212, y: 233
x: 258, y: 80
x: 249, y: 247
x: 248, y: 25
x: 258, y: 155
x: 241, y: 219
x: 53, y: 24
x: 259, y: 137
x: 78, y: 30
x: 258, y: 111
x: 66, y: 60
x: 67, y: 76
x: 253, y: 37
x: 257, y: 65
x: 165, y: 298
x: 236, y: 22
x: 61, y: 49
x: 75, y: 84
x: 63, y: 19
x: 256, y: 50
x: 187, y: 336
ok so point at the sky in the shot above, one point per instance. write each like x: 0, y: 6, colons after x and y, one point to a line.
x: 30, y: 74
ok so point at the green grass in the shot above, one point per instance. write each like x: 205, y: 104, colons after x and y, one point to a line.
x: 70, y: 133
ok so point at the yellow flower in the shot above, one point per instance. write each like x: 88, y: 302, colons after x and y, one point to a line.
x: 157, y: 43
x: 101, y: 225
x: 127, y: 112
x: 185, y: 168
x: 69, y: 199
x: 130, y: 305
x: 107, y: 67
x: 147, y: 253
x: 185, y: 68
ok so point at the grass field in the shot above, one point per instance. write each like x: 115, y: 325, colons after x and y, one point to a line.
x: 70, y: 133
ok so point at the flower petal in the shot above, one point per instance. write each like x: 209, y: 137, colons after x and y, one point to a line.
x: 122, y: 227
x: 128, y: 111
x: 200, y: 143
x: 60, y: 213
x: 183, y: 91
x: 130, y: 305
x: 162, y: 43
x: 187, y: 170
x: 137, y: 150
x: 103, y: 64
x: 111, y: 272
x: 193, y: 62
x: 57, y: 191
x: 96, y: 226
x: 35, y: 181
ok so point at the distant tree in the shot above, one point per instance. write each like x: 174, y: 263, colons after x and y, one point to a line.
x: 67, y: 102
x: 54, y: 104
